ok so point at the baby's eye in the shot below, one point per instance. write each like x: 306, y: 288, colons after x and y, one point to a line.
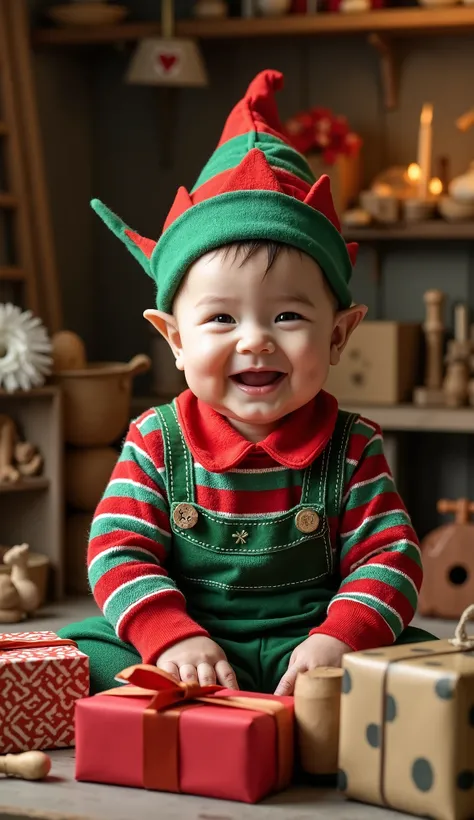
x: 223, y: 319
x: 288, y: 316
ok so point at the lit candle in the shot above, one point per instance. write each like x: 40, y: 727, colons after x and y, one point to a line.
x: 435, y: 186
x: 424, y: 149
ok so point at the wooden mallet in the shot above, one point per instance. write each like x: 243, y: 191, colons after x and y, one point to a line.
x: 28, y: 765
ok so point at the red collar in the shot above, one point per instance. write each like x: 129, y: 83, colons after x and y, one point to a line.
x: 214, y: 443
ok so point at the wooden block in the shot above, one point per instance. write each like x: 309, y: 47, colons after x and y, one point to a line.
x: 428, y: 397
x: 379, y: 364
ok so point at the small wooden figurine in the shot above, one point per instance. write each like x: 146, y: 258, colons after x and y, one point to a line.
x: 448, y: 563
x: 456, y: 380
x: 431, y: 394
x: 27, y: 765
x: 17, y: 458
x: 19, y: 596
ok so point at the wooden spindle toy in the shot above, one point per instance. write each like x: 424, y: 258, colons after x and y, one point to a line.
x: 431, y: 393
x: 28, y: 765
x: 456, y: 387
x: 317, y: 711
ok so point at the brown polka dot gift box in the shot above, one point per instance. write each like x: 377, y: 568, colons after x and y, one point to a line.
x: 407, y: 726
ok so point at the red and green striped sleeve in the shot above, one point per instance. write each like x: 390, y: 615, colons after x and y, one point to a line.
x: 380, y: 561
x: 128, y: 548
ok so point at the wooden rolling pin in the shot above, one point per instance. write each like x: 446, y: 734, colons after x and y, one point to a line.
x: 28, y: 765
x: 317, y: 711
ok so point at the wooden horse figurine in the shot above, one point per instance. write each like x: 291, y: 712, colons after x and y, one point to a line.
x: 19, y: 595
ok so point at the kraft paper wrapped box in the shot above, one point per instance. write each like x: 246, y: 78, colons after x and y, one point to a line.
x: 41, y: 678
x: 407, y: 727
x: 157, y: 734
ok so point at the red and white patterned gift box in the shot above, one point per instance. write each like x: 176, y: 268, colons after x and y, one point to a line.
x: 41, y: 678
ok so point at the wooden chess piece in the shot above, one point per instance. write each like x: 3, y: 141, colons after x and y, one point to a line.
x: 317, y: 711
x: 28, y: 765
x: 448, y: 563
x: 431, y: 394
x: 456, y: 381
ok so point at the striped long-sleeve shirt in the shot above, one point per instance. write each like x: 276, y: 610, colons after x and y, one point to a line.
x: 130, y: 542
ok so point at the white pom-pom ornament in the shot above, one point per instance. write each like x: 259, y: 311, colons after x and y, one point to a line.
x: 25, y: 349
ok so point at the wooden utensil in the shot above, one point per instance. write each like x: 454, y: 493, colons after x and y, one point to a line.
x: 28, y: 765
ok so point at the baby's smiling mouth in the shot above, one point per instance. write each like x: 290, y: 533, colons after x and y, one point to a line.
x: 257, y: 378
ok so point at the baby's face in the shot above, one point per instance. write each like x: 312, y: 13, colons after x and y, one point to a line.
x: 254, y: 345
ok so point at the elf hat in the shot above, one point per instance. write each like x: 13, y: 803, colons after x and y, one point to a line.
x: 254, y: 186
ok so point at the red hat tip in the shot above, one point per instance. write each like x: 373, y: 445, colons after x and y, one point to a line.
x: 320, y: 198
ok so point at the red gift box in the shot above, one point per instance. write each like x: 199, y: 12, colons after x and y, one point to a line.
x: 158, y: 734
x: 41, y: 678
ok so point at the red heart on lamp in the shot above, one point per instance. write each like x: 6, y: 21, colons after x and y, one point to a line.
x: 167, y: 62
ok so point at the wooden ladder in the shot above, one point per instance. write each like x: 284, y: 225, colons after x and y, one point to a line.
x: 28, y: 274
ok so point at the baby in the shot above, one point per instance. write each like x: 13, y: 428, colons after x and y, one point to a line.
x: 251, y: 530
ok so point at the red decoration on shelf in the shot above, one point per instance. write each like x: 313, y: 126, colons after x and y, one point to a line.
x: 319, y: 130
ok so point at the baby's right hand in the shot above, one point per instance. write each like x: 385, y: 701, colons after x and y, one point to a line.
x: 198, y: 659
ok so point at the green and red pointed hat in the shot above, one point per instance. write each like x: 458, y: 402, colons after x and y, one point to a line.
x: 254, y: 186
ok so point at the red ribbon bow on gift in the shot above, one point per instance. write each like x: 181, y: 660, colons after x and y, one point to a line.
x: 167, y: 699
x: 15, y: 644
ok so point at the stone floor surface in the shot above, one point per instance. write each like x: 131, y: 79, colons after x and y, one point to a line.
x: 60, y: 797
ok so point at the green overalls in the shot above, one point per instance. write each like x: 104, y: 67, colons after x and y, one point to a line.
x: 256, y: 584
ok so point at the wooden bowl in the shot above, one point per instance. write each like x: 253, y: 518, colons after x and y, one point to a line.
x: 87, y: 14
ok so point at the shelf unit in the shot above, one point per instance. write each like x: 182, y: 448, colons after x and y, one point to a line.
x: 25, y: 485
x: 434, y: 230
x: 32, y: 509
x: 396, y: 21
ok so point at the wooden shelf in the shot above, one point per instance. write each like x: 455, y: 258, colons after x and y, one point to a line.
x: 402, y: 21
x: 399, y: 417
x: 433, y: 230
x: 408, y: 417
x: 48, y: 391
x: 25, y: 485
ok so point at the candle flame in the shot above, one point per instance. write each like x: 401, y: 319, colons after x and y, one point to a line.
x: 426, y: 117
x: 435, y: 187
x: 414, y: 172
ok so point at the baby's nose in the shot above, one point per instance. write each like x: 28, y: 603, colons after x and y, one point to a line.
x: 255, y: 341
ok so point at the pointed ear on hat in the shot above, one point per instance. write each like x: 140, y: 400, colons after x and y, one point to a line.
x: 141, y: 247
x: 352, y: 250
x: 320, y: 198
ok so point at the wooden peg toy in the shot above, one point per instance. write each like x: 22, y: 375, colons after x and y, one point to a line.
x: 317, y: 715
x: 28, y: 765
x: 431, y: 394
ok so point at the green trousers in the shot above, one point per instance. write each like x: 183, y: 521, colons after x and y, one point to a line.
x: 259, y: 664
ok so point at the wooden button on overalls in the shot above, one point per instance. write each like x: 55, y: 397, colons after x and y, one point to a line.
x: 185, y: 516
x: 307, y: 520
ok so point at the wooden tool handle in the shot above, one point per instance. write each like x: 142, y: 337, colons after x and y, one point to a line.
x: 462, y: 509
x: 28, y: 765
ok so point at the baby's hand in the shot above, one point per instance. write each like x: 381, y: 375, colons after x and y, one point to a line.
x: 198, y: 659
x: 317, y: 650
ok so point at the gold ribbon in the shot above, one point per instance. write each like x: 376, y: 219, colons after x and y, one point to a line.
x: 8, y: 645
x: 167, y: 699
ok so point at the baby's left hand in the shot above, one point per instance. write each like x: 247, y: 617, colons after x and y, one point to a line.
x: 317, y: 650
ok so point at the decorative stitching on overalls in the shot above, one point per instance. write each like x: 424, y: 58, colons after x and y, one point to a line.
x: 341, y: 457
x: 189, y: 494
x: 169, y: 460
x: 279, y: 548
x: 204, y: 582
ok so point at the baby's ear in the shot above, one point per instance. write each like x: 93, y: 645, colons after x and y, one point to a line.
x: 166, y: 324
x: 345, y: 322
